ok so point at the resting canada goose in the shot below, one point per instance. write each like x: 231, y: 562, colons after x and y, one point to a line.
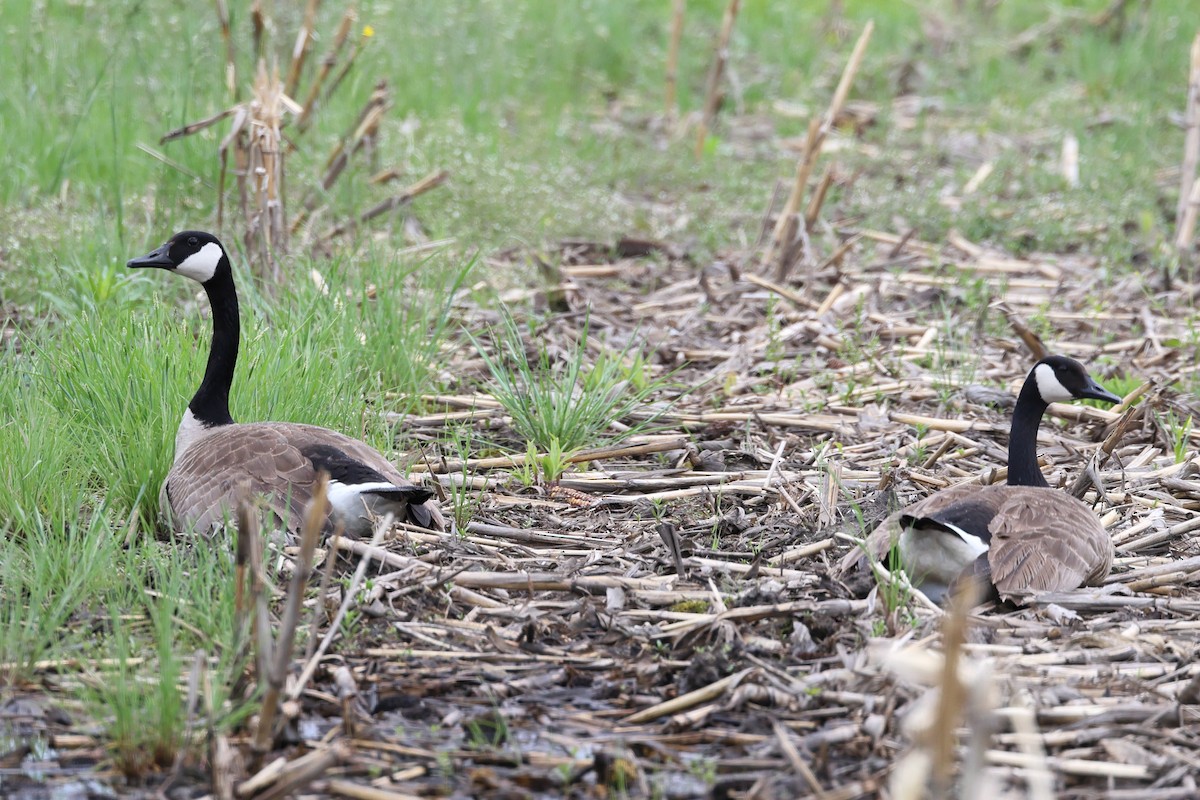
x: 1019, y: 538
x: 279, y: 461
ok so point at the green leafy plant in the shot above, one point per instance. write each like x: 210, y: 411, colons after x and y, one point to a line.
x: 464, y: 501
x: 554, y: 461
x: 562, y: 404
x: 488, y: 731
x: 1179, y: 433
x: 140, y: 700
x: 894, y: 591
x: 53, y: 569
x: 526, y: 472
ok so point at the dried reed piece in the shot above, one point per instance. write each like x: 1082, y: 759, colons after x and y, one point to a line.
x: 712, y: 92
x: 1037, y: 350
x: 266, y: 217
x: 1070, y: 160
x: 250, y: 572
x: 231, y: 82
x: 223, y: 762
x: 304, y: 38
x: 1129, y: 414
x: 196, y: 127
x: 1024, y: 722
x: 314, y: 625
x: 1187, y: 228
x: 344, y: 70
x: 952, y: 695
x: 243, y: 592
x: 818, y: 198
x: 689, y: 700
x: 678, y: 7
x: 657, y: 445
x: 797, y: 761
x: 364, y: 128
x: 1191, y: 150
x: 357, y: 791
x: 284, y: 778
x: 982, y: 174
x: 360, y: 574
x: 327, y: 64
x: 314, y: 519
x: 259, y: 21
x: 1114, y: 12
x: 430, y: 181
x: 786, y: 225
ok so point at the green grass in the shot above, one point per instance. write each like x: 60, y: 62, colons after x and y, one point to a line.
x: 54, y: 570
x: 185, y: 611
x: 562, y: 404
x: 541, y: 111
x: 514, y: 119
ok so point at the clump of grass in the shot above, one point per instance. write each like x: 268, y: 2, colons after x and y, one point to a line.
x: 142, y: 709
x: 1178, y: 432
x: 554, y: 462
x: 142, y: 702
x: 403, y: 317
x: 463, y: 500
x: 56, y: 566
x: 564, y: 405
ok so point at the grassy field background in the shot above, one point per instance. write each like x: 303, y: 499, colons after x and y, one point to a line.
x: 547, y: 116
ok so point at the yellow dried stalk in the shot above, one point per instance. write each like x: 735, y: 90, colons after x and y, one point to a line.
x: 678, y: 7
x: 230, y: 51
x: 327, y: 64
x: 266, y: 223
x: 712, y: 94
x: 303, y: 44
x: 787, y: 224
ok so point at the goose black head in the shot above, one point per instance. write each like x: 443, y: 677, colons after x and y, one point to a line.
x: 1059, y: 379
x: 195, y: 254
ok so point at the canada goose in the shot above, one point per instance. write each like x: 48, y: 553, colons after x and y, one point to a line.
x: 1019, y: 538
x: 279, y: 461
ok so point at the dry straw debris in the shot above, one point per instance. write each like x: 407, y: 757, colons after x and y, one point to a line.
x: 662, y: 619
x: 684, y: 623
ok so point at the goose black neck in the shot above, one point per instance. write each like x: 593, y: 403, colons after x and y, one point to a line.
x: 1023, y: 467
x: 210, y: 404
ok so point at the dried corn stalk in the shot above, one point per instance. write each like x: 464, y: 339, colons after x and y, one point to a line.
x: 260, y: 176
x: 255, y: 140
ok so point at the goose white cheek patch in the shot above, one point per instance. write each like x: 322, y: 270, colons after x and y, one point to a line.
x: 202, y: 264
x: 1048, y: 385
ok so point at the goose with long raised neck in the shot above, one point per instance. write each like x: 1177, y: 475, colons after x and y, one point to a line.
x: 216, y: 458
x: 1019, y: 538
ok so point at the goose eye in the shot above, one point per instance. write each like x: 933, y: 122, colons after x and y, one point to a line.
x: 193, y: 241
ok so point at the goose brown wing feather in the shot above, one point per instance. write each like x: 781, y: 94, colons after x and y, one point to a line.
x: 876, y: 546
x: 1044, y: 540
x: 429, y: 515
x: 202, y: 488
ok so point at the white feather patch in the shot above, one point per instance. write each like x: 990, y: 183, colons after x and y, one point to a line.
x: 347, y: 499
x: 1048, y: 385
x: 202, y: 264
x: 938, y: 556
x: 190, y: 430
